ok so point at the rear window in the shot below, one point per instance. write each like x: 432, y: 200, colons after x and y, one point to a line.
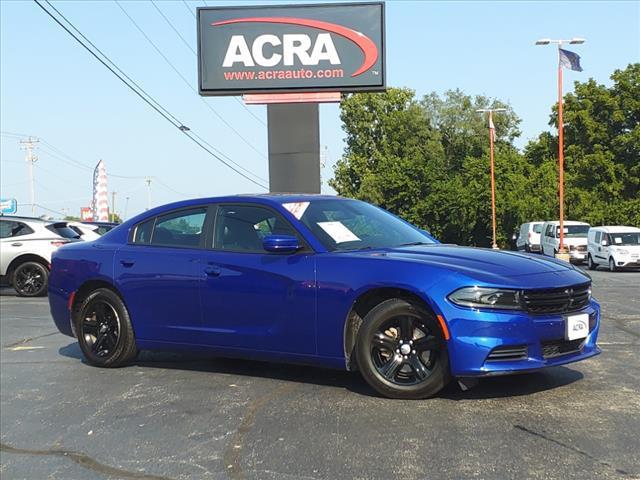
x: 63, y: 230
x: 537, y: 228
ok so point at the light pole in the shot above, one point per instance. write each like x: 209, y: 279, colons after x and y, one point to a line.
x: 492, y: 135
x: 573, y: 41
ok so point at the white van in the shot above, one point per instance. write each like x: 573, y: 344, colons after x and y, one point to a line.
x: 529, y: 237
x: 615, y: 247
x: 575, y: 239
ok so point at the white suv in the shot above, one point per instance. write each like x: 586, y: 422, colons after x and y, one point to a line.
x: 616, y: 247
x: 575, y: 239
x: 529, y: 237
x: 26, y: 245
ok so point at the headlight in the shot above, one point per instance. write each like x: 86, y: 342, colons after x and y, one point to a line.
x: 491, y: 298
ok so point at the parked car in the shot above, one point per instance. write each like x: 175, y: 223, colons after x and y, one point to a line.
x: 87, y: 232
x: 26, y: 245
x: 614, y: 246
x: 103, y: 227
x: 323, y: 281
x: 575, y: 239
x: 529, y: 237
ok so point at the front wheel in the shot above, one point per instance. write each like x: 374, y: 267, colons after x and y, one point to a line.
x: 401, y: 351
x: 612, y: 265
x: 590, y: 263
x: 104, y: 330
x: 30, y: 279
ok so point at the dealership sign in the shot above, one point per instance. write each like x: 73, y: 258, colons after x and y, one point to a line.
x: 294, y: 48
x: 8, y: 206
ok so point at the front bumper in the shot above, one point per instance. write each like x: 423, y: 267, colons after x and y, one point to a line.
x: 501, y: 343
x: 627, y: 261
x: 577, y: 256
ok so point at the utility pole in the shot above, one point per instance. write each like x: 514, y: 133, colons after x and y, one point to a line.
x: 126, y: 207
x: 29, y: 145
x: 492, y: 139
x: 113, y: 206
x: 148, y: 181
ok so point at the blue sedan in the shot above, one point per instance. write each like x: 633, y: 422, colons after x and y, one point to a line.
x: 323, y: 281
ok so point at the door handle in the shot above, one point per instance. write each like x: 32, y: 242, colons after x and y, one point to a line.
x: 16, y: 244
x: 211, y: 271
x: 127, y: 262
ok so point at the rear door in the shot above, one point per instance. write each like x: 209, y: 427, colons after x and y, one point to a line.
x: 253, y: 299
x: 158, y: 274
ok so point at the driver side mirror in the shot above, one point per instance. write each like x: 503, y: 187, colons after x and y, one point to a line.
x: 281, y: 244
x: 604, y: 243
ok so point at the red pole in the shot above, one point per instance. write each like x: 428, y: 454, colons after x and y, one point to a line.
x: 493, y: 183
x: 561, y: 153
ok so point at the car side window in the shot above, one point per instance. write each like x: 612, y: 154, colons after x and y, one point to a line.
x: 143, y: 232
x: 241, y: 228
x: 179, y: 229
x: 10, y: 229
x: 598, y: 237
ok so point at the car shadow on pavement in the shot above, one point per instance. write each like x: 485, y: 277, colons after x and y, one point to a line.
x: 487, y: 388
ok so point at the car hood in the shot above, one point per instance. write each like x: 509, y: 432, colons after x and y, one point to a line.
x: 497, y: 267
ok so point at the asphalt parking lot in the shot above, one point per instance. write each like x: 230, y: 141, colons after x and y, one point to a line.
x: 172, y: 416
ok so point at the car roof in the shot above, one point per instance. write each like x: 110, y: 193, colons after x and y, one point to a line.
x: 25, y: 219
x: 616, y: 229
x: 567, y: 222
x: 264, y: 198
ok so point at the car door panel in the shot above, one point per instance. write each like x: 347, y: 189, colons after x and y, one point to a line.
x: 259, y: 301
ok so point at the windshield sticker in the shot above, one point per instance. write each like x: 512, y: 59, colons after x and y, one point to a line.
x: 296, y: 209
x: 338, y: 232
x: 618, y: 239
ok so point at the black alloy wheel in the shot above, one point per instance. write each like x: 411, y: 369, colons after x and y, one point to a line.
x: 30, y: 279
x: 401, y: 351
x: 104, y: 330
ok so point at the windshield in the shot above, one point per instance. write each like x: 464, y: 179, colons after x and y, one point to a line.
x: 573, y: 231
x: 63, y: 230
x: 630, y: 238
x: 351, y: 225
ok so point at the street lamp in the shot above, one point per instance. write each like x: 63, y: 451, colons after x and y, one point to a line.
x: 492, y: 135
x: 573, y: 41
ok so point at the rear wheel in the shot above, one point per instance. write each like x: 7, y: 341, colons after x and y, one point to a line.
x: 401, y: 351
x: 104, y: 330
x: 612, y: 265
x: 30, y: 279
x: 591, y: 264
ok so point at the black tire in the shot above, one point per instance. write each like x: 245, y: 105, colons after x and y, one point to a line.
x: 30, y: 279
x: 590, y: 263
x: 104, y: 330
x: 413, y: 374
x: 612, y: 265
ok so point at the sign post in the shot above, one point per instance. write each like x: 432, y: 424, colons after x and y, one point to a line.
x: 288, y: 57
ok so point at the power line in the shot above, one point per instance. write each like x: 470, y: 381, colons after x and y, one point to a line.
x: 187, y: 82
x: 173, y: 27
x: 189, y: 8
x: 159, y: 109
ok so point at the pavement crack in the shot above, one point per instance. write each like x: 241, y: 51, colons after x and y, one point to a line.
x: 572, y: 448
x: 30, y: 339
x: 83, y: 460
x: 233, y: 452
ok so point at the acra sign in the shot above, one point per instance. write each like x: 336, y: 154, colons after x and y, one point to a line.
x: 304, y: 48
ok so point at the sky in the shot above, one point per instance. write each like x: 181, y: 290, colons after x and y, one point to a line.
x: 52, y: 89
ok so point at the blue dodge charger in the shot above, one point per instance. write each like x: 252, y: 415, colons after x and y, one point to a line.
x: 322, y: 281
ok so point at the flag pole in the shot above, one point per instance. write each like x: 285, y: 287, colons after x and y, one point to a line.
x: 493, y: 181
x: 561, y: 248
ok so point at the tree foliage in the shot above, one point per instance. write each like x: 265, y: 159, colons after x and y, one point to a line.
x: 428, y: 160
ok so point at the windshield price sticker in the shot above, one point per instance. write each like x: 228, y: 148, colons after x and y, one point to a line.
x: 296, y: 209
x: 338, y: 231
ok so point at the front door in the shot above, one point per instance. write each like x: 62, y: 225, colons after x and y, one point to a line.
x: 253, y: 299
x: 159, y: 276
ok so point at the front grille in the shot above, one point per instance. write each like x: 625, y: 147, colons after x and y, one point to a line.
x: 581, y: 248
x: 557, y: 300
x: 508, y: 353
x: 555, y: 348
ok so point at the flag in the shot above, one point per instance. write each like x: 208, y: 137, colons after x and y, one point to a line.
x: 570, y: 60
